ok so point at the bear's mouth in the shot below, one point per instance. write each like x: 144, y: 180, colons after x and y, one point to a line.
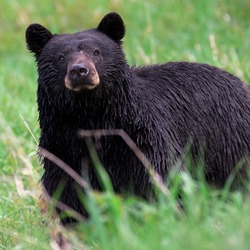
x: 88, y: 83
x: 81, y: 77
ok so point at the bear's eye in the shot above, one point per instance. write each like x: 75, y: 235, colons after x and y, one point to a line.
x: 96, y: 52
x: 61, y: 58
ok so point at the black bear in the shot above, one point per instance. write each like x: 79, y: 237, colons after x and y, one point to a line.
x: 84, y: 82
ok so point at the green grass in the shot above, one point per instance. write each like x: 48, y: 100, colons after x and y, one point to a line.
x: 215, y: 32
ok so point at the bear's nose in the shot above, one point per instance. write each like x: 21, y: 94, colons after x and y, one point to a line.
x: 78, y: 71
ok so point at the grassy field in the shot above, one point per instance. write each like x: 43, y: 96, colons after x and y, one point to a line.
x: 215, y: 32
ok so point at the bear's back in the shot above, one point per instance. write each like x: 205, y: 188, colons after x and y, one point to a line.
x: 205, y: 106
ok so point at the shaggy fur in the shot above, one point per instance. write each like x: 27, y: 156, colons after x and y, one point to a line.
x: 162, y: 107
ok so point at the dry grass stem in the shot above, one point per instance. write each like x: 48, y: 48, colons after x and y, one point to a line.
x: 156, y: 178
x: 66, y: 168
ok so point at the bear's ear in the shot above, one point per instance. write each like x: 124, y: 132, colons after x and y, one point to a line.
x: 112, y: 25
x: 37, y: 37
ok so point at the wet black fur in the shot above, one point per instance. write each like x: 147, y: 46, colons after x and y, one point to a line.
x: 162, y: 107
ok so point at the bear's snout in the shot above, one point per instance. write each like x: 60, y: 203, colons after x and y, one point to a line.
x: 78, y: 72
x: 81, y: 75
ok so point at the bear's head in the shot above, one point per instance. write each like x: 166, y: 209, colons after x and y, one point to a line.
x: 81, y: 61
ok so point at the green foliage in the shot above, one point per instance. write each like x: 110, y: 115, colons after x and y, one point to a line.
x: 215, y: 32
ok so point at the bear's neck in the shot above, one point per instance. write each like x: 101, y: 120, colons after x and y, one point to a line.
x: 111, y: 108
x: 104, y: 108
